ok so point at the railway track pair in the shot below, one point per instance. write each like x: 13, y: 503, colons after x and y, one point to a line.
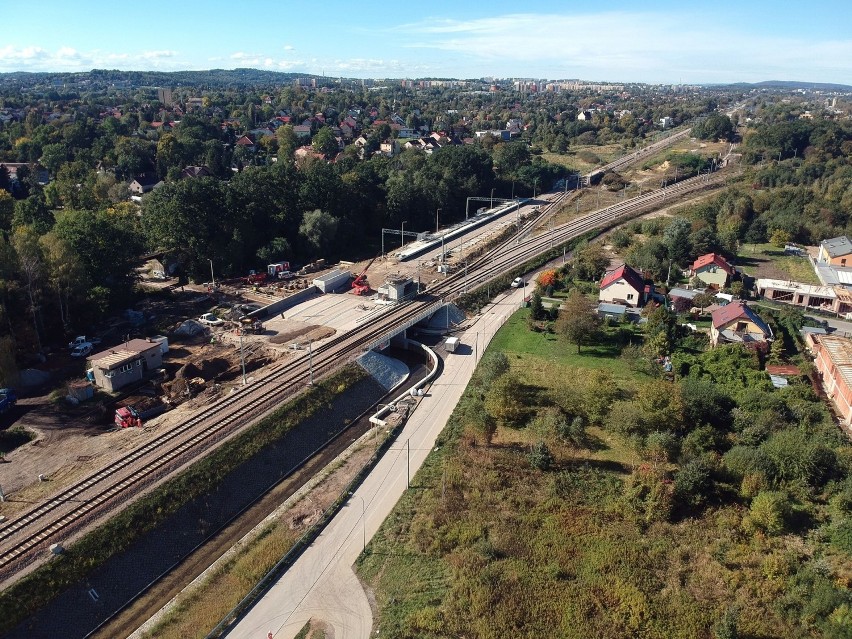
x: 83, y: 501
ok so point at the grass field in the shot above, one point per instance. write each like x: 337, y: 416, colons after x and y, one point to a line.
x: 768, y: 261
x: 486, y: 545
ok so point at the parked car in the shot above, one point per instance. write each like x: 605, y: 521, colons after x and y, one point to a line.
x: 82, y: 350
x: 517, y: 282
x: 210, y: 319
x: 82, y: 339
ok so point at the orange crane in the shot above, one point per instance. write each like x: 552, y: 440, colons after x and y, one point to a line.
x: 360, y: 285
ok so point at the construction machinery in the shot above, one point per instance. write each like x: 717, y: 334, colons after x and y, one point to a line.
x: 131, y: 417
x: 360, y: 285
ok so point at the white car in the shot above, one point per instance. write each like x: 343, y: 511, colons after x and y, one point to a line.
x: 210, y: 319
x: 81, y: 350
x: 518, y: 282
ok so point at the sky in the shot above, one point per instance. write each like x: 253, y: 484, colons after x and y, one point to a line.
x: 655, y: 41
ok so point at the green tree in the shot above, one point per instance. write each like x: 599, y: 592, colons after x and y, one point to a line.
x: 540, y: 456
x: 769, y: 512
x: 578, y: 322
x: 491, y: 367
x: 676, y: 239
x: 504, y: 401
x: 319, y: 231
x: 537, y: 311
x: 324, y: 142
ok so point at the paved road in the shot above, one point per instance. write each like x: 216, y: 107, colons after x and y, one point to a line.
x: 322, y: 584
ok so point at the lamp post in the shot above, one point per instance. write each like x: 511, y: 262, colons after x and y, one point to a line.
x: 513, y: 189
x: 492, y: 199
x: 535, y: 183
x: 402, y: 233
x: 212, y: 277
x: 436, y: 219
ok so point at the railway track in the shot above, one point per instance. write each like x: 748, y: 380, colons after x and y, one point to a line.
x: 63, y: 513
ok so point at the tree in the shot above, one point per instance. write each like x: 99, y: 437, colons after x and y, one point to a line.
x: 492, y: 366
x: 65, y: 273
x: 540, y: 456
x: 590, y: 262
x: 537, y: 311
x: 503, y: 400
x: 324, y: 142
x: 769, y: 512
x: 25, y: 242
x: 780, y: 238
x: 676, y: 239
x: 318, y: 230
x: 287, y: 142
x: 578, y: 322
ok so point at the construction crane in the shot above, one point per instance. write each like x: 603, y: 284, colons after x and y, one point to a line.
x: 360, y: 285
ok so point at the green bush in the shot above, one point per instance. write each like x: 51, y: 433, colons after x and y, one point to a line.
x: 693, y: 483
x: 769, y: 512
x: 540, y: 456
x: 841, y: 536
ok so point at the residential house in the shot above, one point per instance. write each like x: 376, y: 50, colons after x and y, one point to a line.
x: 246, y: 142
x: 625, y: 286
x: 195, y: 172
x: 712, y: 269
x: 129, y: 362
x: 833, y: 360
x: 836, y: 251
x: 389, y: 148
x: 302, y: 131
x: 143, y: 183
x: 737, y: 323
x: 584, y: 116
x: 666, y: 122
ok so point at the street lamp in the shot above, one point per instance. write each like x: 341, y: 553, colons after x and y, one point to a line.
x: 492, y: 199
x: 212, y: 277
x: 402, y: 233
x: 535, y: 183
x: 513, y: 189
x: 436, y: 220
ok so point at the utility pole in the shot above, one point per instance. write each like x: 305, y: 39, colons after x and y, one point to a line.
x: 212, y: 277
x: 402, y: 234
x: 436, y: 220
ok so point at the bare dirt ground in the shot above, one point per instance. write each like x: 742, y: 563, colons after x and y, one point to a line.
x: 71, y: 442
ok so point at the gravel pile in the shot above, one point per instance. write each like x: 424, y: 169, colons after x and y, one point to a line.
x: 385, y: 370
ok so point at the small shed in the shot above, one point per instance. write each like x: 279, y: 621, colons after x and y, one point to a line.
x: 332, y: 281
x: 397, y: 288
x: 612, y: 311
x: 81, y: 390
x: 129, y: 362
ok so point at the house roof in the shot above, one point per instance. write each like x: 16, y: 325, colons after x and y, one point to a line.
x: 686, y: 293
x: 119, y: 355
x: 146, y: 179
x: 738, y: 310
x: 839, y: 350
x: 712, y: 258
x: 633, y: 279
x: 837, y: 246
x: 615, y: 309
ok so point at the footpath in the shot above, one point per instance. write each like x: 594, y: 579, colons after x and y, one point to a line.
x: 322, y: 585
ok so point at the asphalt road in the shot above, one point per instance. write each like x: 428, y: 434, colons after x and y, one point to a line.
x: 321, y: 584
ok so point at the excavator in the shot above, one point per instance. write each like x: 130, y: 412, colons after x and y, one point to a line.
x: 360, y: 285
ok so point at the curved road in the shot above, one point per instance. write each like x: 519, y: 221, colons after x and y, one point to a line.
x: 321, y: 584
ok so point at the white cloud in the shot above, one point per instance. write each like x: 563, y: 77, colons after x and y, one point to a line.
x: 289, y: 47
x: 624, y: 45
x: 69, y: 59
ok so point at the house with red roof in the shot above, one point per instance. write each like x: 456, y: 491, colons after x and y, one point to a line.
x: 739, y: 324
x: 712, y: 269
x: 625, y: 286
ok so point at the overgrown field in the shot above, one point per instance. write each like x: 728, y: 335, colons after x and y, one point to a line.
x: 593, y: 495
